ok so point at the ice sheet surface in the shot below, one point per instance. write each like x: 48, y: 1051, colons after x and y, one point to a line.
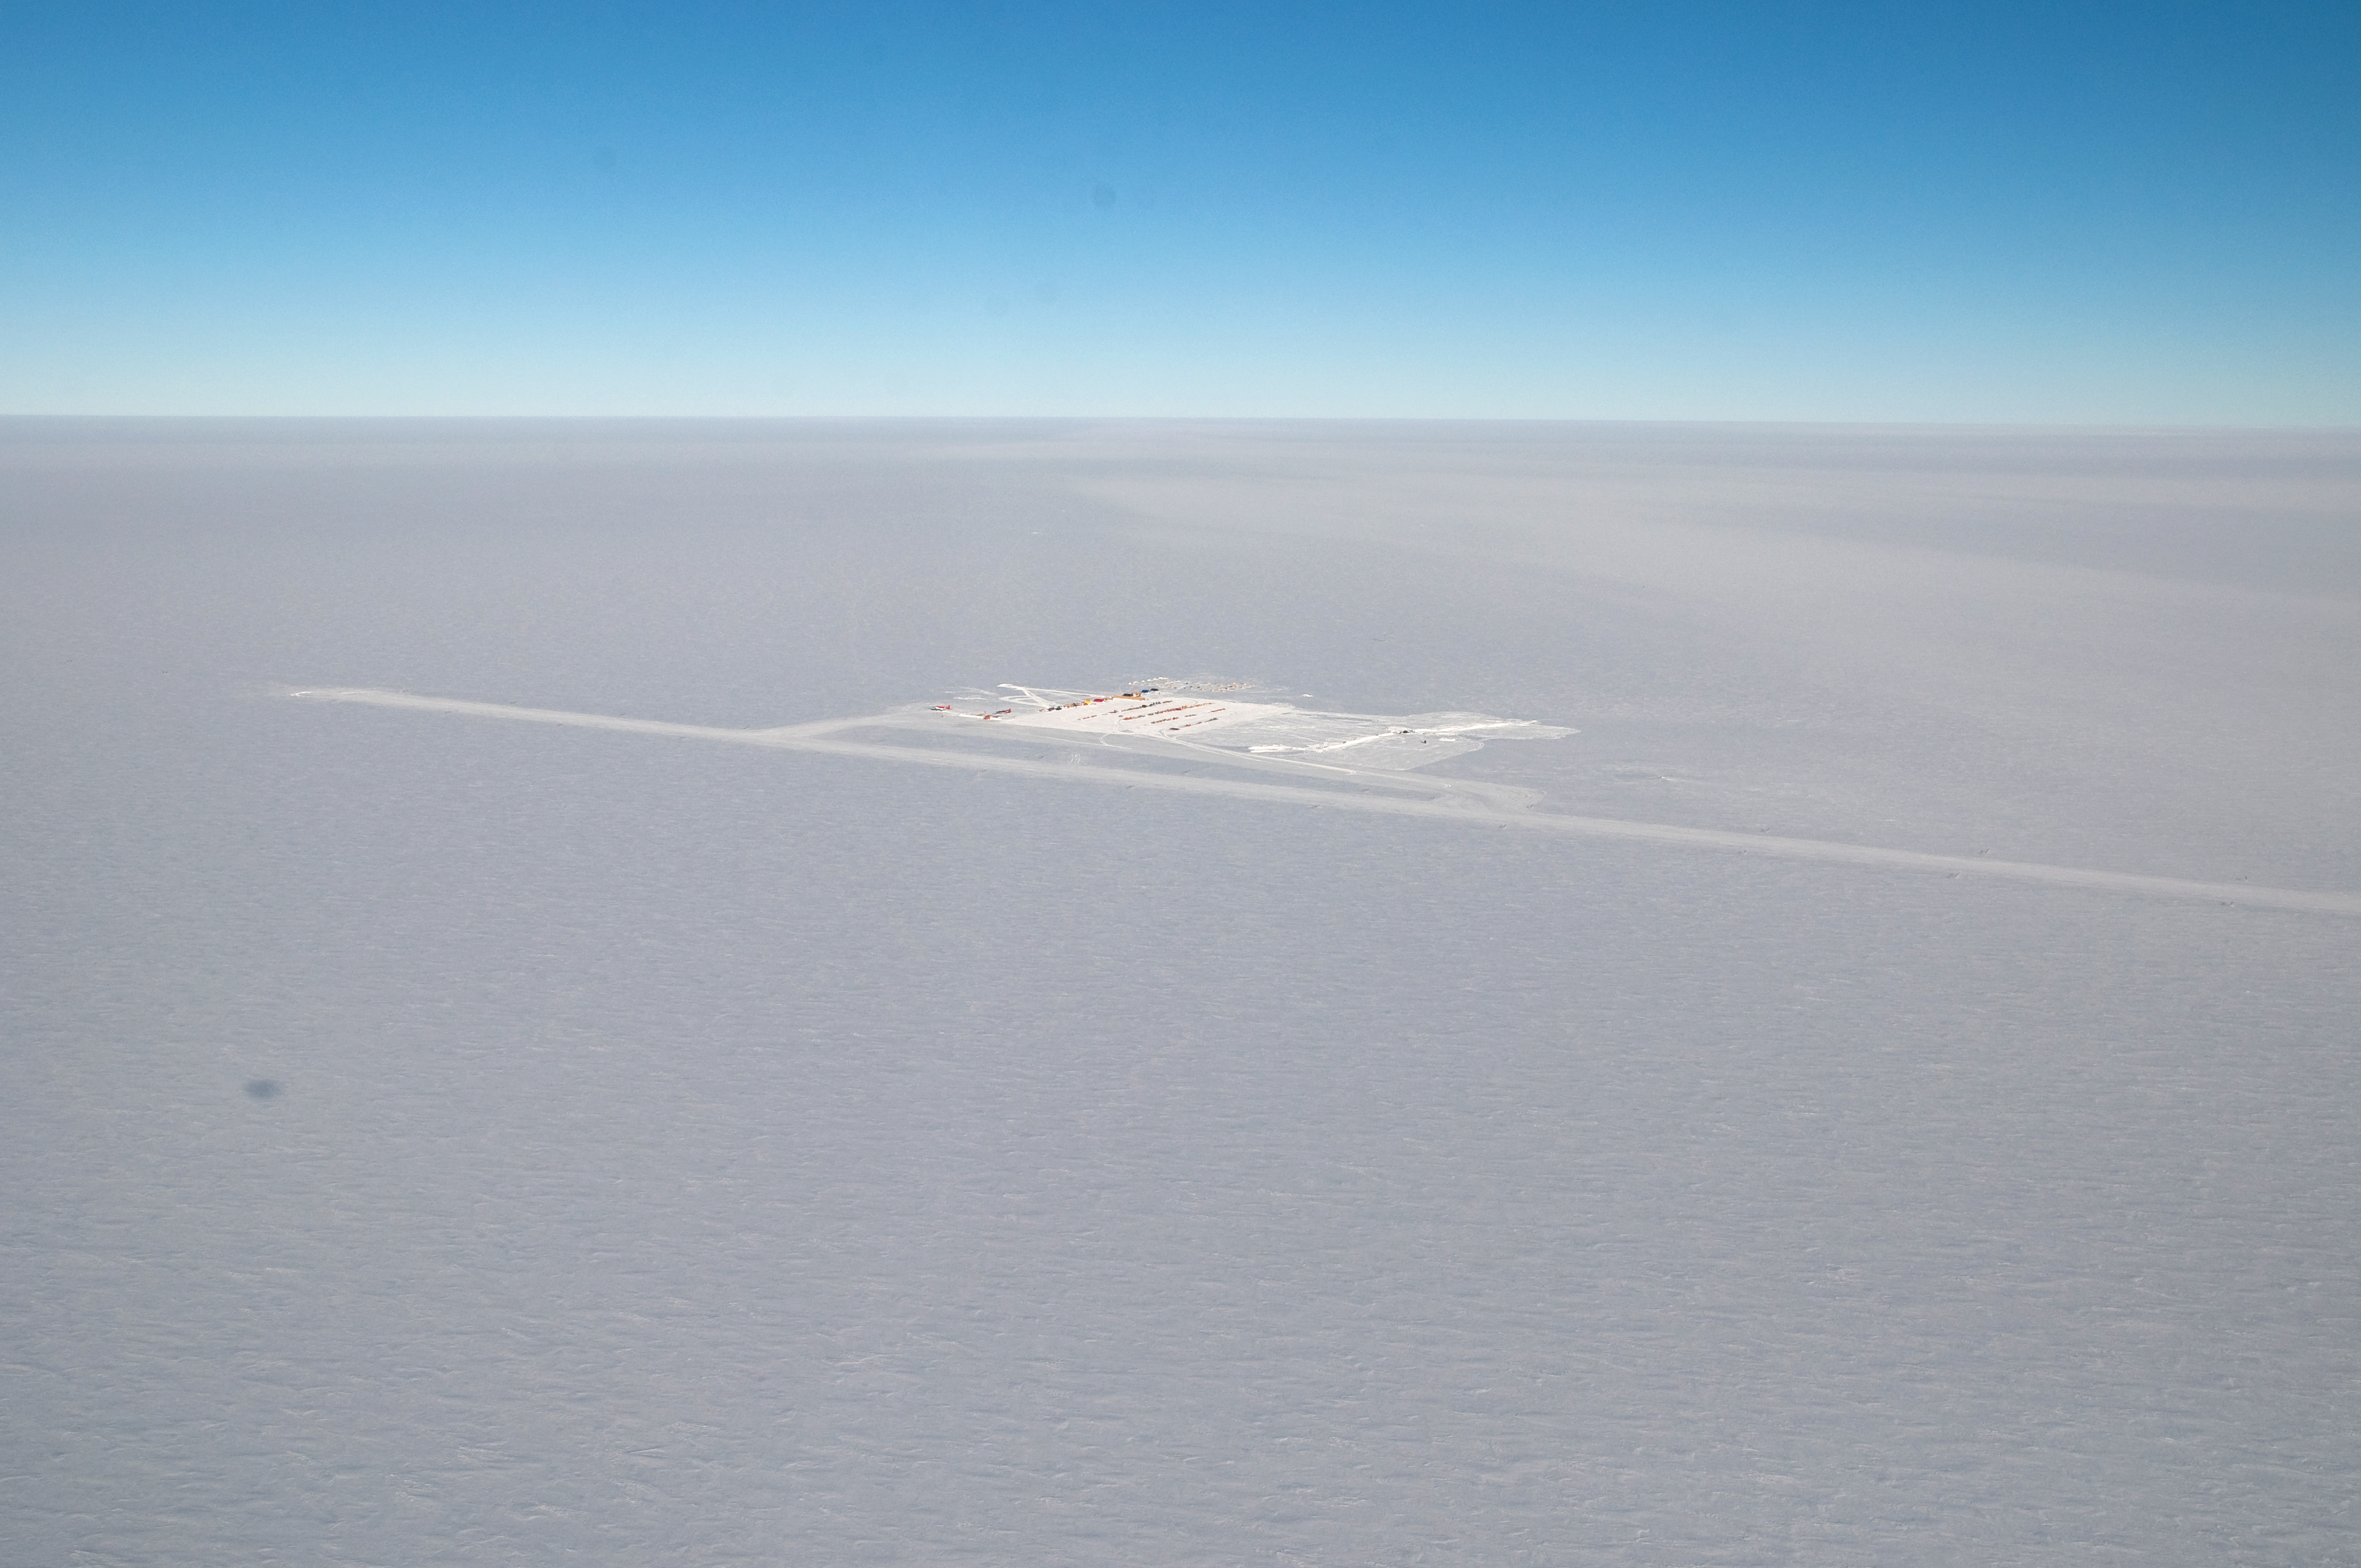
x: 436, y: 1140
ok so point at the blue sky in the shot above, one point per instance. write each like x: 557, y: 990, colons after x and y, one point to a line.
x: 2057, y: 212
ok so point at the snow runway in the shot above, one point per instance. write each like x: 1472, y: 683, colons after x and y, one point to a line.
x: 1449, y: 799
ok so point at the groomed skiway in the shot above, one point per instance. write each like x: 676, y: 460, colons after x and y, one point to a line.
x: 1338, y: 786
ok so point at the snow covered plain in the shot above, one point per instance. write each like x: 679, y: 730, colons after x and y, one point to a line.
x: 431, y: 1138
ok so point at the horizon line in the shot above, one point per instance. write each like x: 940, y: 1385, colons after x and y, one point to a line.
x: 2098, y: 426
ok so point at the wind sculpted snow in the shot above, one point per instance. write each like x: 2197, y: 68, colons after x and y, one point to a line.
x: 633, y: 1084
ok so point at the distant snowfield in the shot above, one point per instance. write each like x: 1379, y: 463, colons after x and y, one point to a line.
x: 1250, y: 727
x: 1756, y: 997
